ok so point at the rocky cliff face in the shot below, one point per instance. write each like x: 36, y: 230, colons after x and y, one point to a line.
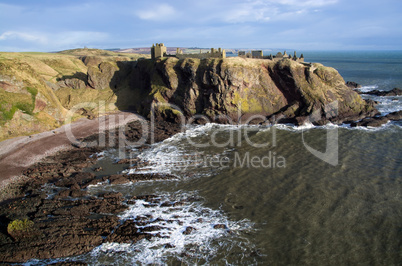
x: 240, y: 88
x: 38, y: 90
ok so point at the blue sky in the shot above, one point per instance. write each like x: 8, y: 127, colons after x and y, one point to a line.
x: 50, y: 25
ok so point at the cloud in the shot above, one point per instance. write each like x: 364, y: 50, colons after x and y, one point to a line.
x: 77, y: 38
x: 271, y: 10
x: 158, y: 13
x: 305, y: 3
x: 24, y: 36
x: 248, y: 13
x: 51, y: 41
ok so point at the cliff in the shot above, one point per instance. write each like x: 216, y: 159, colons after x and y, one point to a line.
x: 38, y: 90
x: 237, y: 88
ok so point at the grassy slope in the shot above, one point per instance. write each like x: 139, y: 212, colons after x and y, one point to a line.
x: 27, y: 103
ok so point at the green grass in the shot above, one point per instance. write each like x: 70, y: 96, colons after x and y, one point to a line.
x: 12, y: 102
x: 35, y: 53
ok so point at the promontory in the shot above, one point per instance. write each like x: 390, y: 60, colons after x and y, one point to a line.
x: 39, y: 89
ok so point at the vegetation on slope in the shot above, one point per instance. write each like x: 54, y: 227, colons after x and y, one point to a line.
x: 38, y: 89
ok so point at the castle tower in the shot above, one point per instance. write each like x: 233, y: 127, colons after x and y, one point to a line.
x: 179, y: 51
x: 158, y: 50
x: 223, y: 53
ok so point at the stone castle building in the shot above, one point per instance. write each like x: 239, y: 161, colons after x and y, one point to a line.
x: 159, y: 50
x: 258, y: 54
x: 220, y: 53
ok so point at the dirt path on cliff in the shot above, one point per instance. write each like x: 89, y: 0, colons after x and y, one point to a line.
x: 18, y: 154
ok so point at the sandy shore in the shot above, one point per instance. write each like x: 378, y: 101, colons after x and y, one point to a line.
x: 18, y: 154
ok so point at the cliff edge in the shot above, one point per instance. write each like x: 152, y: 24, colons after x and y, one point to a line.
x: 237, y: 89
x: 40, y: 91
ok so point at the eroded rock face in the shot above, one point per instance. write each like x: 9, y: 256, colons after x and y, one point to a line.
x: 99, y: 77
x: 227, y: 90
x: 229, y: 87
x: 73, y: 83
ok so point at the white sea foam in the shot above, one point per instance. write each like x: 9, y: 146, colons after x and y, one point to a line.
x: 110, y: 154
x: 99, y: 155
x: 387, y: 104
x: 368, y: 88
x: 308, y: 126
x: 171, y: 215
x: 180, y: 155
x: 171, y: 220
x: 294, y: 128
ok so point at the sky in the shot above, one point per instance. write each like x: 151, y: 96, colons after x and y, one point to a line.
x: 54, y: 25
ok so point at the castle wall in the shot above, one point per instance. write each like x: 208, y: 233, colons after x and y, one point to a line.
x: 200, y: 56
x: 252, y: 54
x: 257, y: 54
x: 213, y: 54
x: 159, y: 50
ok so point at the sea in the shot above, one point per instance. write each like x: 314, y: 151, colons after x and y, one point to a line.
x: 272, y: 195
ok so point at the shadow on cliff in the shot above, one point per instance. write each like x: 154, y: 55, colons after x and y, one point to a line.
x: 77, y: 75
x: 130, y: 86
x: 198, y: 89
x: 285, y: 83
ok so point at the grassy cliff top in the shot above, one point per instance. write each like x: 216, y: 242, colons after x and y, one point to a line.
x: 28, y: 102
x: 99, y: 52
x: 55, y: 65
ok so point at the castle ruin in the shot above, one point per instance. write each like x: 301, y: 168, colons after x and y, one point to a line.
x: 220, y: 53
x: 159, y: 50
x: 258, y: 54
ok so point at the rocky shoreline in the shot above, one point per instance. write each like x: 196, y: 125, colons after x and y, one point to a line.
x: 378, y: 119
x: 63, y: 219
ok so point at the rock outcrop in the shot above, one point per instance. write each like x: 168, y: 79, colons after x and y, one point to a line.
x: 393, y: 92
x: 378, y: 121
x: 67, y: 220
x: 237, y: 89
x: 353, y: 85
x: 38, y: 91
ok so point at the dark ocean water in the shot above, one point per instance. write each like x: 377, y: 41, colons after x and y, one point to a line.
x: 380, y: 69
x: 288, y: 195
